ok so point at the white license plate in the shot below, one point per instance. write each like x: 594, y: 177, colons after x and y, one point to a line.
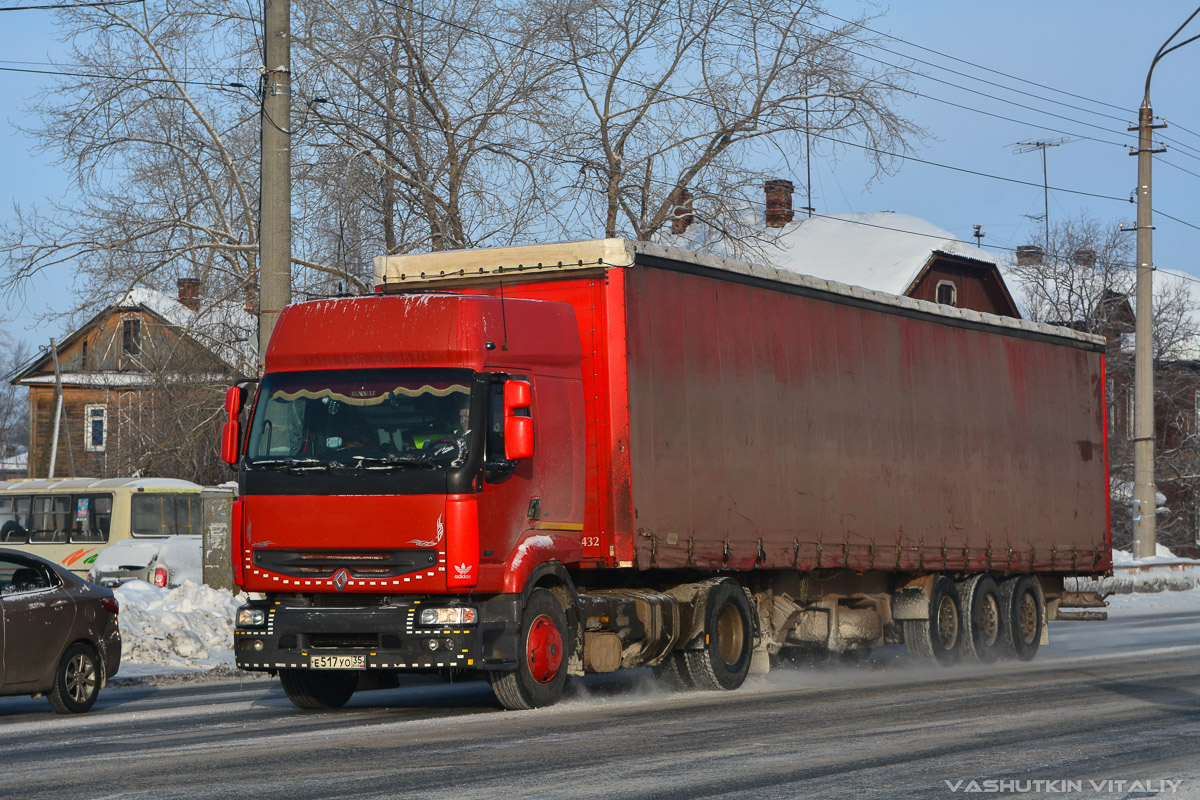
x: 337, y: 662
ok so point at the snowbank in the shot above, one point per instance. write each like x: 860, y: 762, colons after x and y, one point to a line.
x: 190, y: 626
x: 1162, y: 572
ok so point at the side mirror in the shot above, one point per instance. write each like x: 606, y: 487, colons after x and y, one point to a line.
x: 518, y: 420
x: 231, y: 430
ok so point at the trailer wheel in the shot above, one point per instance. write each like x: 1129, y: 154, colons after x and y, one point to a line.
x: 938, y: 638
x: 1023, y: 616
x: 318, y: 690
x: 541, y: 671
x: 983, y: 620
x: 724, y: 661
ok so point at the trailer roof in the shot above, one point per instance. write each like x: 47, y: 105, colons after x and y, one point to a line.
x: 564, y: 257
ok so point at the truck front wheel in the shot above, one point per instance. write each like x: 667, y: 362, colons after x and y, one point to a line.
x: 724, y: 661
x: 541, y: 671
x: 318, y: 690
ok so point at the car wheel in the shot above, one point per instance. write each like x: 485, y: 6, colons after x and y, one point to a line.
x: 320, y: 690
x: 76, y: 681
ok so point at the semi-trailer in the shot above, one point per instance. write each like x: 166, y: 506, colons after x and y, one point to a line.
x: 543, y: 461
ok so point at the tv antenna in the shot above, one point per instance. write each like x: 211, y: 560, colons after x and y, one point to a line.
x: 1043, y: 144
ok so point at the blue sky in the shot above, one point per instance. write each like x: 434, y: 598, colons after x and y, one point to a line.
x: 1097, y: 50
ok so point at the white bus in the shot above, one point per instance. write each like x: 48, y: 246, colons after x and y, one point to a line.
x: 70, y: 520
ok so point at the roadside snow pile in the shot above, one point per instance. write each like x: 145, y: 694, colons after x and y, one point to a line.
x: 188, y: 626
x: 1162, y: 572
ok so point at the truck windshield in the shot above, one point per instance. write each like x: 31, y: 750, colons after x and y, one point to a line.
x: 378, y: 419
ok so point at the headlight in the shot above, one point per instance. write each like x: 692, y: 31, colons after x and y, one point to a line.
x: 455, y: 615
x: 250, y: 617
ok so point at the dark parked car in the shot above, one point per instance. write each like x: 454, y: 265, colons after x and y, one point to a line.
x: 58, y: 633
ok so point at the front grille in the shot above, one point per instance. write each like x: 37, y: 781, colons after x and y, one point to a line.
x: 360, y: 564
x: 337, y: 640
x: 348, y: 600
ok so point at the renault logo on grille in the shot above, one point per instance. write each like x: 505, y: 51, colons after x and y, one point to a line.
x: 340, y: 579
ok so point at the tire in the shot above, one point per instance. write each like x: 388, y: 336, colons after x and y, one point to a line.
x: 983, y: 621
x: 672, y: 672
x: 318, y: 690
x: 541, y: 672
x: 76, y: 681
x: 937, y: 639
x: 1024, y: 617
x: 724, y: 661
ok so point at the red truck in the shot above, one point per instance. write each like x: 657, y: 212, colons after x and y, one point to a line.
x: 536, y: 462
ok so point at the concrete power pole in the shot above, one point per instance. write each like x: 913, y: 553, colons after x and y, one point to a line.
x: 1144, y: 490
x: 275, y: 226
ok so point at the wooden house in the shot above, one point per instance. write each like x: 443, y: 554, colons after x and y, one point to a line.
x: 140, y: 386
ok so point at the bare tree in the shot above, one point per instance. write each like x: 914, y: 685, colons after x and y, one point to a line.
x: 1086, y: 281
x: 423, y: 125
x: 433, y: 116
x: 161, y: 149
x: 14, y: 400
x: 710, y: 97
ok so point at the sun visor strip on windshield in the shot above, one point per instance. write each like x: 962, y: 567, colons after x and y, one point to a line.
x: 309, y: 394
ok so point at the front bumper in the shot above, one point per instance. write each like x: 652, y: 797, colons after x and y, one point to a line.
x: 387, y: 637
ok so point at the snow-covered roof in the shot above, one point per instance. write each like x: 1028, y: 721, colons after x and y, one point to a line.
x: 18, y: 462
x: 112, y: 378
x: 224, y: 327
x: 97, y: 484
x: 1169, y: 286
x: 882, y: 250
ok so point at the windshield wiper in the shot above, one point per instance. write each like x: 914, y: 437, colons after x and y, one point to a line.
x: 289, y: 463
x: 389, y: 462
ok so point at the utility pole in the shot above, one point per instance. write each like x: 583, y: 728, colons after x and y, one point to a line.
x: 275, y: 226
x: 1144, y: 489
x: 979, y: 234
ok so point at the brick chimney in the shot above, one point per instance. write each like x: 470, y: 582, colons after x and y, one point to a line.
x: 250, y: 299
x: 1085, y: 257
x: 1028, y: 255
x: 681, y: 214
x: 779, y: 202
x: 189, y: 292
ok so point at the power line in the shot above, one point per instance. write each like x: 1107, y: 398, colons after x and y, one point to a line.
x: 984, y: 68
x: 72, y: 5
x: 565, y: 160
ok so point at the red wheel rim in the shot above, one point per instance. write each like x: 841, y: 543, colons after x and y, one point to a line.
x: 544, y: 651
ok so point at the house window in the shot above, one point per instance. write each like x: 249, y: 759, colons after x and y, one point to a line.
x: 132, y: 337
x: 95, y: 432
x: 947, y: 293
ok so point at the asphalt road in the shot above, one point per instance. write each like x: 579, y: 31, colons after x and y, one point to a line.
x: 1116, y: 701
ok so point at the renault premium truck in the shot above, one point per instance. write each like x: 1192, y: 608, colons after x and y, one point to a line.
x: 545, y: 461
